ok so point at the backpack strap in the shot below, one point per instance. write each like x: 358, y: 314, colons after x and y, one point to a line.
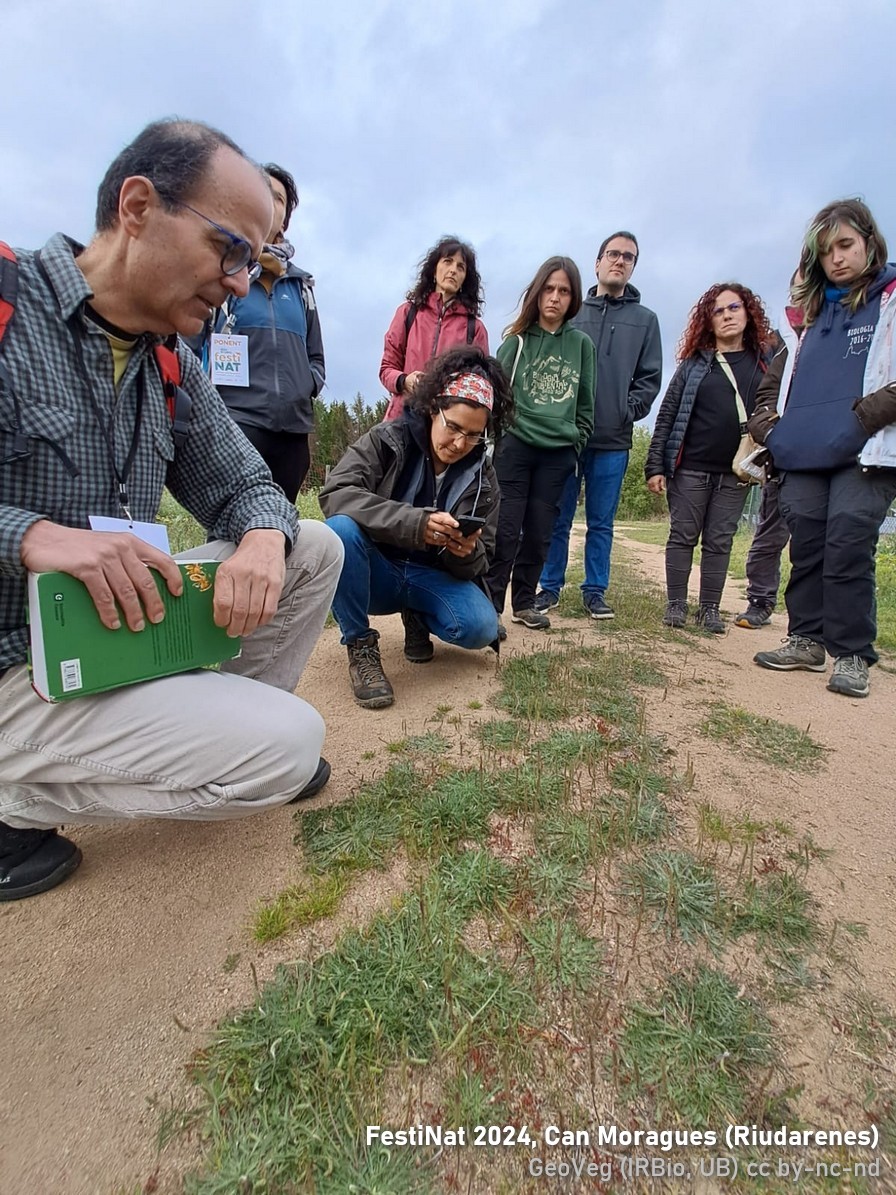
x: 471, y: 327
x: 409, y: 320
x: 179, y: 402
x: 9, y: 286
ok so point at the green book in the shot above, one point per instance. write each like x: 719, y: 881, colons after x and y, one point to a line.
x: 73, y: 654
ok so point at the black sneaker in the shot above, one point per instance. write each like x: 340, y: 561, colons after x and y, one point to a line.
x: 502, y: 631
x: 370, y: 684
x: 33, y: 861
x: 545, y: 600
x: 417, y: 643
x: 754, y: 617
x: 597, y: 607
x: 317, y: 782
x: 531, y: 618
x: 709, y: 617
x: 676, y: 614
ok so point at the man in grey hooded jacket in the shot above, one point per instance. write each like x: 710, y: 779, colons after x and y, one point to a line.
x: 626, y: 336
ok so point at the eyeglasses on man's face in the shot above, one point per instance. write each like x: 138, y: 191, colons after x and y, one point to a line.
x: 732, y: 307
x: 625, y: 255
x: 458, y: 433
x: 238, y: 254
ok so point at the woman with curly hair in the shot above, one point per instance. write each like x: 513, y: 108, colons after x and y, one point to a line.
x: 415, y: 503
x: 551, y: 366
x: 441, y: 310
x: 723, y: 353
x: 834, y: 444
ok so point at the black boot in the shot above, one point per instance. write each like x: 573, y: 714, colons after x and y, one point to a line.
x: 417, y: 643
x: 33, y: 861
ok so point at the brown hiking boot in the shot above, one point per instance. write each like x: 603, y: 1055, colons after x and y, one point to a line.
x: 370, y: 684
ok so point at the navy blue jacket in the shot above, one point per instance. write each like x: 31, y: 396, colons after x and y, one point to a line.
x: 286, y: 354
x: 819, y: 428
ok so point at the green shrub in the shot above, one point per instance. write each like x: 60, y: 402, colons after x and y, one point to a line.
x: 636, y: 501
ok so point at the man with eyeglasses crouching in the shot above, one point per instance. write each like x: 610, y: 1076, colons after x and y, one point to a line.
x: 86, y: 431
x: 415, y: 503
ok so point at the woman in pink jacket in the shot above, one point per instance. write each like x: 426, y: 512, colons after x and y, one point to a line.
x: 441, y: 311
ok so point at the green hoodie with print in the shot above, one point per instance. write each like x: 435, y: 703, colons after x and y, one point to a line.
x: 553, y: 386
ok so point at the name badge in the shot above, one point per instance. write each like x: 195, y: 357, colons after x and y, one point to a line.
x: 155, y: 534
x: 229, y: 360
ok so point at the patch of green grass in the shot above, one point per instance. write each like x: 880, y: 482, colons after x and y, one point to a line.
x: 456, y: 809
x: 183, y: 530
x: 568, y: 838
x: 694, y: 1050
x: 500, y: 734
x: 531, y: 687
x: 471, y: 1100
x: 633, y: 817
x: 289, y: 1084
x: 527, y: 788
x: 562, y: 956
x: 474, y: 705
x: 779, y: 910
x: 776, y: 743
x: 231, y: 963
x: 554, y: 882
x: 299, y: 905
x: 566, y: 748
x: 683, y: 893
x: 362, y: 833
x: 640, y: 779
x: 430, y: 743
x: 475, y: 881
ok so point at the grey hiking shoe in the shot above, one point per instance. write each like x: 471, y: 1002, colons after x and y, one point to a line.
x: 533, y: 619
x: 676, y: 613
x: 796, y: 653
x: 710, y: 618
x: 370, y: 684
x: 754, y: 617
x: 850, y: 676
x: 417, y: 643
x: 545, y: 600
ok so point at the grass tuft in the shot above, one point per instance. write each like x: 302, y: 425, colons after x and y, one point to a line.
x: 683, y: 892
x: 694, y: 1050
x: 776, y: 743
x: 562, y: 956
x: 299, y: 905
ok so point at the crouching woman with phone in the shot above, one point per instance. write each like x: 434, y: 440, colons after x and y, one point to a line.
x: 415, y: 503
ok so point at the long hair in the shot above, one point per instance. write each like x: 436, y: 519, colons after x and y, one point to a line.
x: 470, y: 294
x: 809, y: 294
x: 528, y: 314
x: 429, y: 397
x: 698, y: 333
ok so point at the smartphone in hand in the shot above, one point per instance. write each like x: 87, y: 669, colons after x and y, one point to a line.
x: 469, y: 524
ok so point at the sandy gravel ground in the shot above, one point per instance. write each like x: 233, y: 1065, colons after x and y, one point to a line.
x: 114, y: 980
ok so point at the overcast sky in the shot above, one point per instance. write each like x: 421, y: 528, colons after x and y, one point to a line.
x: 714, y: 131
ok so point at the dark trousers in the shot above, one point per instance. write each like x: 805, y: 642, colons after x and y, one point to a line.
x: 286, y: 454
x: 834, y: 519
x: 764, y: 559
x: 704, y: 507
x: 531, y: 481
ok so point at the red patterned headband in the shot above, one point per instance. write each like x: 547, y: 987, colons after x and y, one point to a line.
x: 472, y: 387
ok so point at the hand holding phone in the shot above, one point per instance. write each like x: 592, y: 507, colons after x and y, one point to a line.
x: 467, y: 524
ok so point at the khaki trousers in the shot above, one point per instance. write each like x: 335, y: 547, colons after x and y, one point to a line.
x: 201, y: 745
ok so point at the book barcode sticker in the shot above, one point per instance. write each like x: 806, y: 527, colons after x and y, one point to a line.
x: 71, y: 675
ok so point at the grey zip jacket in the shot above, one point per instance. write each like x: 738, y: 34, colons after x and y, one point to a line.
x: 626, y: 336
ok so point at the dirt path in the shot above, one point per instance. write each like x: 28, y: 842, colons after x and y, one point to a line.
x: 114, y: 980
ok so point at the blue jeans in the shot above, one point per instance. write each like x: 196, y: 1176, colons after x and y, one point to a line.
x: 455, y: 611
x: 602, y: 473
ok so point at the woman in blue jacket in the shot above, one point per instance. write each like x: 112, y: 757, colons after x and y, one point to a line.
x: 285, y: 351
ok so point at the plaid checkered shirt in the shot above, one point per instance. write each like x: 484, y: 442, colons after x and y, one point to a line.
x: 216, y: 474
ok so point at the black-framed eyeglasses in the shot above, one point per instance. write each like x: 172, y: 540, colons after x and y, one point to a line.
x: 732, y: 307
x: 625, y: 254
x: 458, y: 433
x: 238, y: 255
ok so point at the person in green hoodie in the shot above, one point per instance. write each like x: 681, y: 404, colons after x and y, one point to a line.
x: 552, y: 369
